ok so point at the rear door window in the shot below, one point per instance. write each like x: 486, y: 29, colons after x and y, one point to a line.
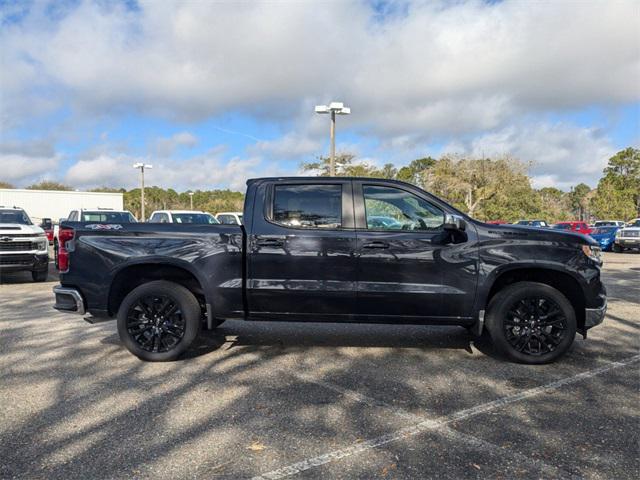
x: 308, y: 206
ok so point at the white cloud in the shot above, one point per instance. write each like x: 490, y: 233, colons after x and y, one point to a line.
x: 446, y: 67
x: 208, y: 171
x: 560, y: 155
x: 291, y: 145
x: 26, y: 163
x: 166, y: 146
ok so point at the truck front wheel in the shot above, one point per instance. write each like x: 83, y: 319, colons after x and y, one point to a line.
x: 159, y: 320
x: 39, y: 275
x: 531, y: 322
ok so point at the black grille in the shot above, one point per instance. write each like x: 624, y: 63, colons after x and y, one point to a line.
x: 16, y: 259
x: 17, y: 246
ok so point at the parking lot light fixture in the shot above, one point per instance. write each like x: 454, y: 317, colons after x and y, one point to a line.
x: 334, y: 108
x: 142, y: 167
x: 191, y: 199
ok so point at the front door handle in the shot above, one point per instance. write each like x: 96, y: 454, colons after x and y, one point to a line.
x: 270, y: 242
x: 376, y: 244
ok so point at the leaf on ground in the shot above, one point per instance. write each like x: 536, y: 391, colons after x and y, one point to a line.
x: 256, y: 447
x: 476, y: 466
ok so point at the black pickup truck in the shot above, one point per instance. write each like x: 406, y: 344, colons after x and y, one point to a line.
x: 337, y: 250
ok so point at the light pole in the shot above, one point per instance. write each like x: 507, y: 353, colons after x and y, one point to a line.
x: 142, y: 166
x: 334, y: 108
x: 191, y: 199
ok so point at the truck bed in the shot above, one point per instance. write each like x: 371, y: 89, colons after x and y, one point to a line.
x: 212, y: 254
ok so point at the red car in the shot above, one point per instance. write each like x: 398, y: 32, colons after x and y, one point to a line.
x: 47, y: 226
x: 496, y: 222
x: 578, y: 227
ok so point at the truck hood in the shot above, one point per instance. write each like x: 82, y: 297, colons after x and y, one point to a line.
x: 541, y: 234
x: 19, y: 229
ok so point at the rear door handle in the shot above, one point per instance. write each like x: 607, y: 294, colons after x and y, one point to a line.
x: 376, y: 245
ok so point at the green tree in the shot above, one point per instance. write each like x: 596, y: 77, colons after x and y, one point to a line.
x: 6, y: 185
x: 484, y: 188
x: 345, y: 167
x: 554, y: 204
x: 579, y: 200
x: 618, y: 192
x: 49, y: 185
x: 414, y: 172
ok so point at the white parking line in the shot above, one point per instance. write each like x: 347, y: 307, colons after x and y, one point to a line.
x: 549, y: 471
x: 430, y: 425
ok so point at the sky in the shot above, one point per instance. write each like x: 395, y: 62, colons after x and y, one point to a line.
x: 213, y: 93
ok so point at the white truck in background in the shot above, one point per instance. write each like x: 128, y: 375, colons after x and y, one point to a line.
x: 23, y: 245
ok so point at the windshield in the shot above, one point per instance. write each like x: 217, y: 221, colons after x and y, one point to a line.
x: 199, y: 218
x: 605, y: 224
x: 635, y: 224
x: 562, y: 226
x: 603, y: 230
x: 108, y: 217
x: 14, y: 216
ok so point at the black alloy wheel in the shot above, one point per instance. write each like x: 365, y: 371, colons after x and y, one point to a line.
x: 535, y: 325
x: 156, y: 323
x: 159, y: 320
x: 531, y: 322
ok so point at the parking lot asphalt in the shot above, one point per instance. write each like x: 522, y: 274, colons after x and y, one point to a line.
x: 278, y: 400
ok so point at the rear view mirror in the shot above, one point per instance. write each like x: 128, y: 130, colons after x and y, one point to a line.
x: 454, y: 222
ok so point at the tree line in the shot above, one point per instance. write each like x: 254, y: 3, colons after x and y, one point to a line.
x: 500, y: 188
x: 485, y: 188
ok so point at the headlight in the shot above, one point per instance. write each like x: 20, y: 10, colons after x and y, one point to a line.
x: 594, y: 253
x: 42, y: 243
x: 618, y: 233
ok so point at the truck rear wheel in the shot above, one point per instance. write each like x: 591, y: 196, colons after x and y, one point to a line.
x: 531, y: 322
x: 159, y: 320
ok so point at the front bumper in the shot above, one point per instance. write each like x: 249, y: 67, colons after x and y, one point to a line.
x: 595, y: 316
x: 69, y: 300
x: 13, y: 262
x: 628, y: 242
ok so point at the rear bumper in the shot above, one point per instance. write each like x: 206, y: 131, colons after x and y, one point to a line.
x: 595, y: 316
x: 69, y: 300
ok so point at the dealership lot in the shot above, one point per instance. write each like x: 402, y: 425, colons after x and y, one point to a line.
x: 315, y: 401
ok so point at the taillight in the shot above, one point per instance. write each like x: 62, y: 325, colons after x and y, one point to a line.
x: 64, y: 235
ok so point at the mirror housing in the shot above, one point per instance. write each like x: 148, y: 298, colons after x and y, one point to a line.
x: 454, y: 222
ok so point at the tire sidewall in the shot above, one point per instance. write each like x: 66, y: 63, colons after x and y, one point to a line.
x: 502, y: 302
x: 190, y: 311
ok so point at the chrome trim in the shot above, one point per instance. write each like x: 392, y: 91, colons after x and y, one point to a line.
x: 72, y: 292
x: 595, y: 316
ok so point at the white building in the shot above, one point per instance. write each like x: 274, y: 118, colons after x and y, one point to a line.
x: 56, y: 204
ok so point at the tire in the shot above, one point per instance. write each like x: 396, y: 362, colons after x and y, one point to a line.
x: 39, y: 275
x: 154, y: 330
x: 520, y: 327
x: 617, y: 248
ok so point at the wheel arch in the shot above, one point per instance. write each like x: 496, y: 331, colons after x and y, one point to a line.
x: 134, y: 274
x: 561, y: 280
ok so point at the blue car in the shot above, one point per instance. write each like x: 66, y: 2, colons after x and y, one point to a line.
x: 605, y: 236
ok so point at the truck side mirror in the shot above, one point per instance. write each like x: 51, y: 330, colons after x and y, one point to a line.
x: 454, y: 222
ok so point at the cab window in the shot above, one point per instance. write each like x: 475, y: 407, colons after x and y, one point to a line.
x: 308, y: 206
x: 389, y: 208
